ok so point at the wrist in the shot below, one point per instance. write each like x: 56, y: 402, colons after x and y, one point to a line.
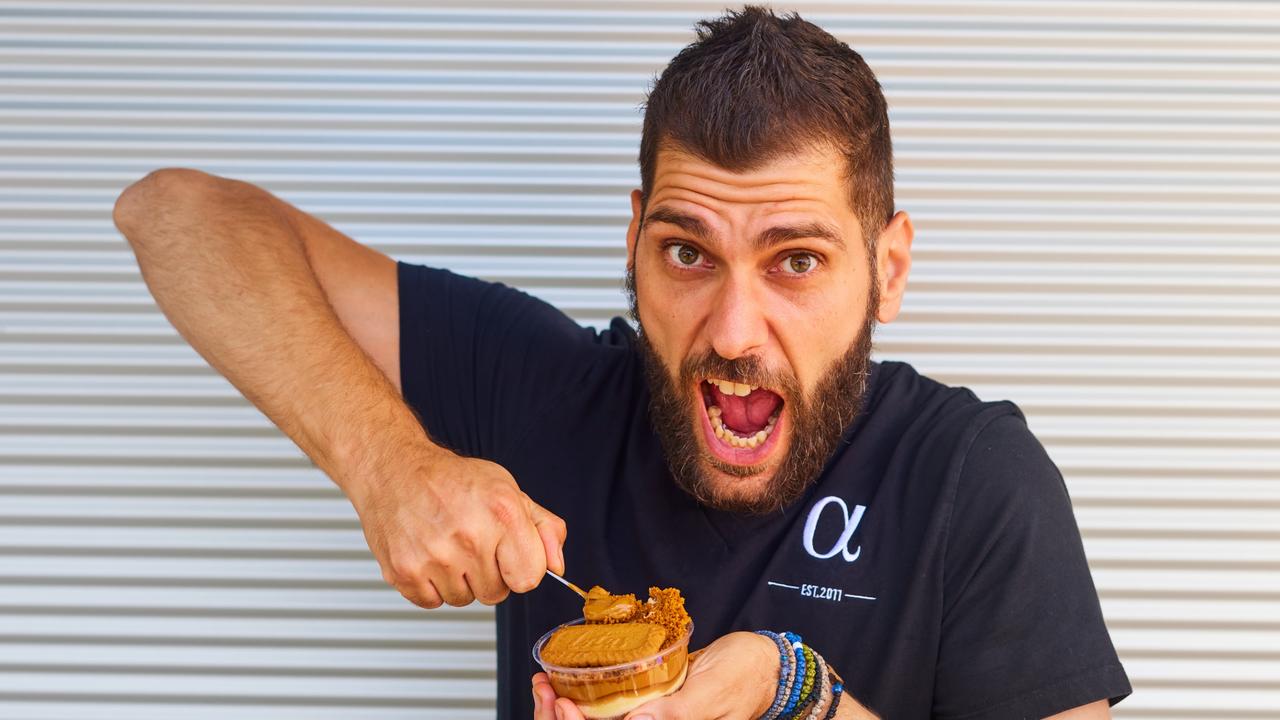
x: 364, y: 466
x: 771, y: 671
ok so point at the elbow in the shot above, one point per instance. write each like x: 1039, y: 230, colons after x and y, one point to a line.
x: 157, y: 197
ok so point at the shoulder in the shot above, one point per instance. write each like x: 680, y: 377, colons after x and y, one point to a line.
x: 445, y: 301
x: 931, y: 422
x: 984, y: 448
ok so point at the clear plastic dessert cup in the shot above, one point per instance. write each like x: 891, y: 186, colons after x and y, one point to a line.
x: 608, y: 693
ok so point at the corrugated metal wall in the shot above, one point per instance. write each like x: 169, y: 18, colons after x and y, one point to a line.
x: 1095, y: 185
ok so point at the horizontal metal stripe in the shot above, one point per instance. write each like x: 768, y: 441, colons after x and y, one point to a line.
x: 917, y: 10
x: 543, y: 24
x: 230, y: 602
x: 896, y: 69
x: 260, y: 632
x: 177, y: 539
x: 418, y: 661
x: 1184, y: 701
x: 331, y: 689
x: 1192, y: 614
x: 1228, y: 672
x: 1228, y: 84
x: 985, y: 41
x: 1241, y: 643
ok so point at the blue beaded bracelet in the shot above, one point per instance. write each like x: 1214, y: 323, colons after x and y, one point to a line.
x: 797, y: 686
x: 784, y: 674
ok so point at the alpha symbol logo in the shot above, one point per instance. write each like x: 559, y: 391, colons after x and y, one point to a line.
x: 851, y: 521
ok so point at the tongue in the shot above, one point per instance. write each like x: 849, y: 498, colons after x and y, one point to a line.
x: 747, y: 414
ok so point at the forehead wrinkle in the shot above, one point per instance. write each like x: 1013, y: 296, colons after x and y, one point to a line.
x: 686, y: 222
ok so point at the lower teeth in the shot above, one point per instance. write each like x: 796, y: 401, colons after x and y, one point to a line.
x: 735, y: 440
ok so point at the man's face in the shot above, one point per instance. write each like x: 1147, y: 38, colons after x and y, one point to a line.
x: 756, y: 299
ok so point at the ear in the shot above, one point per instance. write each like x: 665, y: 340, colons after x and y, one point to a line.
x: 893, y: 258
x: 633, y: 230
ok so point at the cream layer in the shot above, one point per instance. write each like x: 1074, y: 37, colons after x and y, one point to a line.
x: 613, y: 707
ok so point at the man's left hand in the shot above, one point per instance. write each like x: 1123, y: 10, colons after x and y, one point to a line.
x: 733, y: 678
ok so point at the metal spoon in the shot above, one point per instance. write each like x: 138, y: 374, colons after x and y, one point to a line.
x: 569, y: 585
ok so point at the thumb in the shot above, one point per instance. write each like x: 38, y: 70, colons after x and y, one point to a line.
x: 552, y: 531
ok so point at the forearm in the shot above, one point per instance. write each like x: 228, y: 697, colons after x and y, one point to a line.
x: 232, y: 275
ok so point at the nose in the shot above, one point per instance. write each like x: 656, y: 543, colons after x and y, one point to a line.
x: 736, y: 326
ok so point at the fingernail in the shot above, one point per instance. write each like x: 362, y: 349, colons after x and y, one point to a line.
x: 537, y: 702
x: 560, y: 552
x: 559, y: 713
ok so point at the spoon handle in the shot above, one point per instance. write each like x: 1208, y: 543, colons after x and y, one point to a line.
x: 569, y: 585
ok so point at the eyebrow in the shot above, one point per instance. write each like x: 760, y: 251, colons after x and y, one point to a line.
x: 773, y: 236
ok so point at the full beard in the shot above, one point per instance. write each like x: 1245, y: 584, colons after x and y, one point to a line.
x: 818, y: 420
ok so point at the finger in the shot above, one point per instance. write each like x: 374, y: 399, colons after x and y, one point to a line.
x: 428, y: 596
x: 486, y: 583
x: 521, y: 559
x: 552, y: 531
x: 423, y: 595
x: 452, y: 587
x: 412, y: 591
x: 544, y: 698
x: 566, y: 710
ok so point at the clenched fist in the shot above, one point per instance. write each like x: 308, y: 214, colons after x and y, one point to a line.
x: 449, y: 529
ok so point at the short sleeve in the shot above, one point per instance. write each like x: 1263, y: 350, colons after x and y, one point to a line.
x: 1022, y: 631
x: 479, y: 360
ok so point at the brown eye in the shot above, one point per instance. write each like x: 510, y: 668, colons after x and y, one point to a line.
x: 684, y: 254
x: 799, y: 264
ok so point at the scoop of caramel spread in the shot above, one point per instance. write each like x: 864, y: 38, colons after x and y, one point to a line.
x: 619, y: 629
x: 601, y: 607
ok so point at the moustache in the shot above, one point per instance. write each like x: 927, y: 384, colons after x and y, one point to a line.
x: 748, y: 369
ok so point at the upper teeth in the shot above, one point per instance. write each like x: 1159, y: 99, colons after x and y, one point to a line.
x: 729, y: 387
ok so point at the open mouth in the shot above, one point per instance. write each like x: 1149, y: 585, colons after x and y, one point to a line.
x: 742, y: 422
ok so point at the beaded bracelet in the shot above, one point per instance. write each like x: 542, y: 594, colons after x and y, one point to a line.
x: 784, y: 673
x: 812, y: 694
x: 823, y: 691
x: 837, y: 691
x: 795, y: 672
x: 787, y: 677
x: 802, y: 666
x: 808, y: 689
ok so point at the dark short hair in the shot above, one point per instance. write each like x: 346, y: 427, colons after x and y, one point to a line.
x: 755, y: 86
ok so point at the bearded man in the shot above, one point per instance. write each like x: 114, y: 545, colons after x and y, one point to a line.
x: 738, y: 444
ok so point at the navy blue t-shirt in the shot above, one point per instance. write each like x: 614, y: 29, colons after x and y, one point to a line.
x: 936, y: 563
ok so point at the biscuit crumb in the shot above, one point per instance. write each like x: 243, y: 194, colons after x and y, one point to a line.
x: 666, y: 608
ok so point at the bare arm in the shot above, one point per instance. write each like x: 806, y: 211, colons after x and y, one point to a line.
x: 227, y: 265
x: 304, y: 322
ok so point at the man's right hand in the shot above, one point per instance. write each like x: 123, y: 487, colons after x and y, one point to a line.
x: 450, y: 529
